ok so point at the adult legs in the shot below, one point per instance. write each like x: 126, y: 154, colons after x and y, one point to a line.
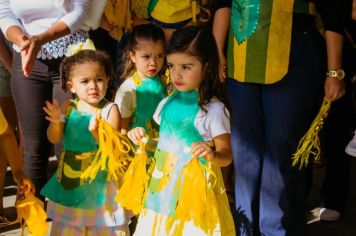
x: 289, y: 108
x: 247, y: 138
x: 30, y: 95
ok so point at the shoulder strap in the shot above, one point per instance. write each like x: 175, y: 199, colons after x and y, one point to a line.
x: 71, y: 105
x: 137, y: 80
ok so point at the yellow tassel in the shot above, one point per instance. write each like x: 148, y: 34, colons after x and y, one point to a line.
x: 196, y: 200
x: 113, y: 154
x: 118, y: 13
x: 31, y: 210
x: 310, y: 143
x: 132, y: 192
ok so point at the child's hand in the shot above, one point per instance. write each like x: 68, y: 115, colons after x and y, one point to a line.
x: 136, y: 134
x: 202, y: 149
x: 54, y: 113
x: 94, y: 125
x: 23, y: 183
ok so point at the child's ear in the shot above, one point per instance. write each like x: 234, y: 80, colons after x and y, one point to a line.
x: 132, y: 56
x: 70, y: 86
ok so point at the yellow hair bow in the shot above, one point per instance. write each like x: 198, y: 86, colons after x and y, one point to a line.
x: 75, y: 48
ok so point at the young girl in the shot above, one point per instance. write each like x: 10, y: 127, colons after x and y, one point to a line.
x: 79, y: 207
x: 194, y: 122
x: 139, y: 95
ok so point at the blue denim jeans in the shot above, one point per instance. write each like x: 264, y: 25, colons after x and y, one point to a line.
x: 267, y: 123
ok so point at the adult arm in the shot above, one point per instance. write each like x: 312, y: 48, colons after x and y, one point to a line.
x: 220, y: 28
x: 333, y: 16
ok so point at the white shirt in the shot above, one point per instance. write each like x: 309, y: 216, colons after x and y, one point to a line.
x: 36, y: 16
x: 210, y: 123
x: 125, y: 98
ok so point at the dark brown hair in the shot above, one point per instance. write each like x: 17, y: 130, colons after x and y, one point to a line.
x: 199, y: 42
x: 82, y: 57
x: 149, y: 32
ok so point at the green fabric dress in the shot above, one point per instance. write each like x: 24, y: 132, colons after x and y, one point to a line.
x: 65, y: 186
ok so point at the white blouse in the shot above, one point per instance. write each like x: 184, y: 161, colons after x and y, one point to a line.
x: 36, y: 16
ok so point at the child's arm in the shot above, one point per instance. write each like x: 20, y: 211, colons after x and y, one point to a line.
x: 56, y: 125
x: 222, y: 156
x: 114, y: 119
x: 125, y: 124
x: 11, y: 151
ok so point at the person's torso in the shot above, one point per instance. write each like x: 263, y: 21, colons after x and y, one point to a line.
x: 177, y: 133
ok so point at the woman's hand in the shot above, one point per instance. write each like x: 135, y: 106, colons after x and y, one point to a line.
x: 53, y: 111
x: 136, y: 134
x: 202, y: 149
x: 23, y: 183
x: 29, y: 49
x: 333, y: 88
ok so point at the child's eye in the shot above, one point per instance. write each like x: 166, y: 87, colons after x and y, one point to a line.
x: 160, y: 56
x: 186, y: 67
x: 170, y: 66
x: 100, y: 79
x: 145, y: 56
x: 84, y: 81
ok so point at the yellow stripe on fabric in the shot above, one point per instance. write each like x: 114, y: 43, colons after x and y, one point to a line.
x: 279, y: 40
x: 173, y: 11
x: 239, y: 60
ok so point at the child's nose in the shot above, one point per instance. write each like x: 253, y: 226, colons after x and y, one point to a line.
x: 92, y: 85
x: 153, y: 62
x: 174, y: 73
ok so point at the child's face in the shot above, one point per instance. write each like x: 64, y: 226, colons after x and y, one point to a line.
x: 186, y: 71
x: 89, y: 82
x: 148, y: 58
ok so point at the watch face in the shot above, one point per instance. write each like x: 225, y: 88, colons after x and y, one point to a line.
x: 340, y: 74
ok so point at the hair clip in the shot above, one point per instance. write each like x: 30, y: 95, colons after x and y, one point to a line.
x: 76, y: 48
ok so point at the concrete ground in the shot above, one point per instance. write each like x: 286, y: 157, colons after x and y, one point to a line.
x: 346, y: 226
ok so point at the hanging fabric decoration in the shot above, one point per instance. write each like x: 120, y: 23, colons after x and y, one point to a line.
x: 309, y: 145
x: 135, y: 182
x: 139, y: 8
x: 30, y: 212
x: 118, y: 14
x: 113, y: 154
x: 196, y: 199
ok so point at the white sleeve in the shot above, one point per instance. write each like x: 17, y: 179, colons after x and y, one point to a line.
x: 7, y: 18
x: 94, y: 13
x: 157, y: 114
x: 77, y: 12
x: 125, y: 98
x: 214, y: 122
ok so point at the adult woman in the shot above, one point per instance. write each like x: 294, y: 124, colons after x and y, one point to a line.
x: 276, y: 58
x: 40, y: 31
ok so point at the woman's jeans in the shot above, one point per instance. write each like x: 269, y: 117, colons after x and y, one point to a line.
x: 267, y: 123
x: 30, y: 95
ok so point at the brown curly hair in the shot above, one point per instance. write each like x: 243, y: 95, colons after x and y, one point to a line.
x: 81, y: 57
